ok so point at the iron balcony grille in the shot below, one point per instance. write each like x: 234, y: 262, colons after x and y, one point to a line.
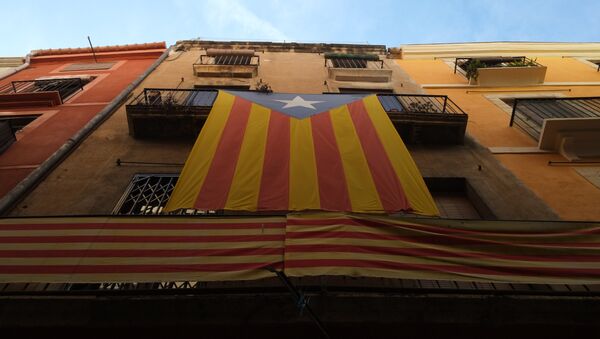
x: 392, y: 103
x: 529, y: 113
x: 342, y: 60
x: 65, y: 87
x: 398, y: 104
x: 147, y: 194
x: 165, y: 97
x: 461, y: 65
x: 229, y: 59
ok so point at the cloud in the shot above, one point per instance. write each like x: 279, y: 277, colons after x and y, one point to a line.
x: 228, y: 19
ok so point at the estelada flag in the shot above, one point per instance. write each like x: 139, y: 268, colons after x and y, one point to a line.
x: 295, y: 152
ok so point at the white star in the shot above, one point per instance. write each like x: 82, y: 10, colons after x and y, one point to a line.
x: 299, y: 102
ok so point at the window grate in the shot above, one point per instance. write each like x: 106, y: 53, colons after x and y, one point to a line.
x: 349, y: 63
x: 147, y: 194
x: 232, y: 60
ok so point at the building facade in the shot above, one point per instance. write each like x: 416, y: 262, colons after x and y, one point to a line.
x: 124, y: 171
x: 129, y: 148
x: 559, y: 166
x: 52, y: 98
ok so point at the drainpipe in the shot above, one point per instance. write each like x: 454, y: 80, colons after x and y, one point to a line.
x: 37, y: 175
x: 18, y: 68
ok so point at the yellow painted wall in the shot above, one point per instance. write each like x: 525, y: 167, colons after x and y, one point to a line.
x: 561, y: 187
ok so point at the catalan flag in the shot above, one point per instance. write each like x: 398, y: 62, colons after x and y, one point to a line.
x: 139, y: 249
x: 440, y: 249
x: 167, y: 248
x: 296, y: 152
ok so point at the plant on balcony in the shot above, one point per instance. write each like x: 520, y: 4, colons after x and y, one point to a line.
x: 522, y: 63
x: 263, y: 87
x: 471, y: 68
x: 424, y: 107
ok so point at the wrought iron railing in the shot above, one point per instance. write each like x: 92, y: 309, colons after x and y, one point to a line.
x: 529, y: 113
x: 229, y: 59
x: 349, y: 63
x: 65, y: 87
x: 419, y: 104
x: 461, y: 65
x: 171, y: 97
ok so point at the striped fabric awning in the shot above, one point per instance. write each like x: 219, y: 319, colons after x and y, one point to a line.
x: 154, y: 249
x: 296, y: 152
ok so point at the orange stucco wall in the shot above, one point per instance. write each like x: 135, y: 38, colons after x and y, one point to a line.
x: 561, y: 187
x: 41, y: 138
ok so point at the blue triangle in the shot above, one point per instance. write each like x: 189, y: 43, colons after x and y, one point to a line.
x: 278, y: 101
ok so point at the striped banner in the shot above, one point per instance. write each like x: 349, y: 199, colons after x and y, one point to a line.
x: 155, y: 249
x: 420, y: 248
x: 114, y: 249
x: 287, y: 152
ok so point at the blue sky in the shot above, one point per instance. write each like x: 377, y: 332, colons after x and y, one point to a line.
x: 40, y: 24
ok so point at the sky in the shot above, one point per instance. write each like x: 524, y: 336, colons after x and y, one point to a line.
x: 37, y: 24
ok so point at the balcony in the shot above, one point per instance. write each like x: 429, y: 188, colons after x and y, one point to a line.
x: 44, y: 92
x: 501, y: 71
x: 162, y: 112
x: 427, y: 119
x: 357, y: 68
x: 570, y: 126
x: 159, y: 112
x: 224, y: 63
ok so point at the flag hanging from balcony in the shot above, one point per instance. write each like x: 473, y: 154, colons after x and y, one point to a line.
x: 295, y: 152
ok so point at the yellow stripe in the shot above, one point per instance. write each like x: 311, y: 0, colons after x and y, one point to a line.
x: 408, y: 274
x: 411, y: 180
x: 304, y: 185
x: 141, y: 246
x: 136, y: 277
x: 245, y: 186
x: 141, y: 233
x: 492, y: 263
x: 198, y: 162
x: 167, y: 261
x: 361, y: 188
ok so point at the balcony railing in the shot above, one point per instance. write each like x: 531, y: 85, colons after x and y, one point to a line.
x: 462, y: 65
x: 65, y: 87
x: 529, y: 113
x: 168, y: 112
x: 227, y: 64
x: 501, y: 71
x: 166, y: 98
x: 421, y: 118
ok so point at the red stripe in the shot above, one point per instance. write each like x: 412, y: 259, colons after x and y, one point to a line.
x: 154, y: 239
x: 139, y: 253
x: 475, y: 270
x: 432, y: 239
x: 386, y: 181
x: 430, y: 252
x: 274, y: 185
x: 214, y: 191
x: 333, y: 190
x: 143, y: 226
x: 99, y: 269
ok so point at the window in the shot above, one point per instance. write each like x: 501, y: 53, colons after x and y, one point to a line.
x: 456, y: 199
x: 232, y: 59
x: 349, y: 63
x: 147, y: 194
x: 18, y: 122
x: 7, y: 136
x: 89, y: 66
x: 343, y: 60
